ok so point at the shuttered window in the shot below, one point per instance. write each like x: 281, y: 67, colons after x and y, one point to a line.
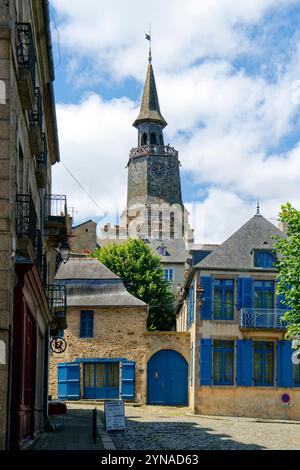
x: 223, y: 362
x: 264, y: 363
x: 223, y: 305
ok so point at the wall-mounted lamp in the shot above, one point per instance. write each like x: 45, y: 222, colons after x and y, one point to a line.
x: 64, y: 251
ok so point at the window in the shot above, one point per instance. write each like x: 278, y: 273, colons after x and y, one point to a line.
x: 264, y: 363
x: 162, y: 250
x: 296, y: 373
x: 264, y: 259
x: 86, y: 324
x: 264, y: 294
x: 169, y: 275
x: 153, y: 139
x: 223, y: 308
x: 144, y: 139
x: 223, y: 362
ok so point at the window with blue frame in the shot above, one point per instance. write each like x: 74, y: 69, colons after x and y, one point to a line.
x: 191, y: 305
x: 223, y: 362
x: 296, y: 374
x: 86, y: 324
x: 264, y: 259
x: 169, y: 275
x: 263, y: 363
x: 264, y: 294
x: 223, y: 306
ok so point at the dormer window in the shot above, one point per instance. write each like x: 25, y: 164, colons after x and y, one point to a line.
x: 162, y: 251
x: 264, y: 259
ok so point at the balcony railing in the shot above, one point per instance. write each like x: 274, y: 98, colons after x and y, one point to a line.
x: 57, y: 300
x: 42, y: 163
x: 26, y: 217
x: 262, y: 318
x: 36, y: 124
x: 162, y: 150
x: 25, y: 49
x: 55, y: 206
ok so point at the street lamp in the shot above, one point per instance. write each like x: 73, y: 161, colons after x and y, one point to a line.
x: 64, y: 251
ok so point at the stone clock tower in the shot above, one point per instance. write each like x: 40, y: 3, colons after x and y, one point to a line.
x: 154, y: 202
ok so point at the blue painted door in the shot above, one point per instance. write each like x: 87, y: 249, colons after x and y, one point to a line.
x: 167, y: 379
x: 101, y: 380
x: 68, y: 381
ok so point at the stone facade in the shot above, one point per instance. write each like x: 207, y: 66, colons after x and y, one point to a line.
x: 234, y: 260
x: 26, y: 138
x: 83, y: 238
x: 118, y: 333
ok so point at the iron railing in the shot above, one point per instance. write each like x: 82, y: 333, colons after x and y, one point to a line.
x: 26, y: 217
x: 25, y: 48
x: 163, y: 150
x: 57, y: 300
x: 36, y: 116
x: 262, y: 318
x: 42, y: 158
x: 55, y: 206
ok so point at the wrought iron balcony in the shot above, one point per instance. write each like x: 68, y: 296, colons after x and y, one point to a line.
x: 26, y: 64
x: 42, y: 164
x: 36, y: 124
x: 57, y: 300
x: 262, y: 319
x: 161, y: 150
x: 26, y: 218
x: 55, y: 215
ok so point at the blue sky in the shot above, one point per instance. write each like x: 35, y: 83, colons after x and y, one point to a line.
x: 228, y: 78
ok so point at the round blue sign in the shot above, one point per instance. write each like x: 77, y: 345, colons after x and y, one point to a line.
x: 285, y: 398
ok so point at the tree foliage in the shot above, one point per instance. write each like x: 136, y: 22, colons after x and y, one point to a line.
x: 288, y: 264
x: 142, y: 274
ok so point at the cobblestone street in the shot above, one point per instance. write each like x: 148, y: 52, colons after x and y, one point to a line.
x: 163, y: 428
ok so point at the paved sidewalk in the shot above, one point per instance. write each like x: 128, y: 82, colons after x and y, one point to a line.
x: 76, y: 433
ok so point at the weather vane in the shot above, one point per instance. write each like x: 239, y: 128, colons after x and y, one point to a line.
x: 148, y: 37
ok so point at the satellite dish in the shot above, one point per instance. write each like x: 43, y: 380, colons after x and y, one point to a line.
x: 296, y: 357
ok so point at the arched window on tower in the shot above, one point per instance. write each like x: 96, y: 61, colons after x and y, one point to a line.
x: 172, y: 225
x: 144, y: 139
x: 161, y: 140
x: 153, y: 139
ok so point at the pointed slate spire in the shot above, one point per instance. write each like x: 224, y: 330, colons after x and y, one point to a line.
x: 150, y: 110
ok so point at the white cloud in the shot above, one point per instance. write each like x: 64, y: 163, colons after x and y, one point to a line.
x: 244, y: 117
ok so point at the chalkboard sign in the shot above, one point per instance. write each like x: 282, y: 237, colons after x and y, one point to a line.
x: 114, y: 415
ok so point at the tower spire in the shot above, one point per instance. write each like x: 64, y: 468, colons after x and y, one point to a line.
x: 150, y: 110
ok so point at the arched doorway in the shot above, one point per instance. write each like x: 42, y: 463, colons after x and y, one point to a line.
x: 167, y: 379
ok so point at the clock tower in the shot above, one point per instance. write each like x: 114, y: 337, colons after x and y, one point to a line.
x: 154, y: 201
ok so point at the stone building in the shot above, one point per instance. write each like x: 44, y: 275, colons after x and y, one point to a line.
x: 32, y: 220
x: 109, y: 352
x: 154, y: 210
x: 240, y: 362
x: 83, y: 238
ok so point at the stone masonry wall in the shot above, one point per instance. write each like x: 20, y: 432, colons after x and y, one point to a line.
x: 118, y: 333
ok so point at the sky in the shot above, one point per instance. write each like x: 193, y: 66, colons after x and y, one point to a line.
x: 228, y: 80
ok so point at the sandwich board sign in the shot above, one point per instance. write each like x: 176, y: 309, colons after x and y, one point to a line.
x: 114, y: 415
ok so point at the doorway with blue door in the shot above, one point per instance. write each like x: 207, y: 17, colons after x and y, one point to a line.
x: 167, y: 382
x: 101, y: 380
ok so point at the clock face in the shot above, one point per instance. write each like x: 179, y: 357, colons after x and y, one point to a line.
x: 159, y: 170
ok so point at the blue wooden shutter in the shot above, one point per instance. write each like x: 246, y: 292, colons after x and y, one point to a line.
x: 245, y: 292
x: 205, y: 361
x: 284, y: 364
x: 244, y: 362
x: 68, y: 381
x: 128, y: 380
x: 206, y: 307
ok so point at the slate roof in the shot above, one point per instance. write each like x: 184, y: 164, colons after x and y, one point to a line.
x: 91, y: 284
x: 237, y: 251
x: 150, y: 109
x: 84, y: 268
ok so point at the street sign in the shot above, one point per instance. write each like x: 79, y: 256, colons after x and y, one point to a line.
x: 114, y: 415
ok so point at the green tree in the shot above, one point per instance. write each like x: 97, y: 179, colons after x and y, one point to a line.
x: 140, y: 269
x: 288, y: 264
